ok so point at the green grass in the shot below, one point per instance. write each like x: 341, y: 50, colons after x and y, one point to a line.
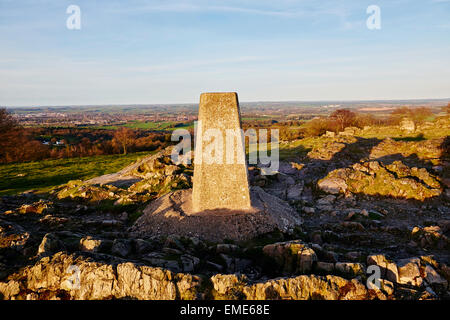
x: 47, y: 174
x: 148, y: 125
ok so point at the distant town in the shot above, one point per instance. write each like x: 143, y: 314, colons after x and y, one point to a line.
x: 113, y: 115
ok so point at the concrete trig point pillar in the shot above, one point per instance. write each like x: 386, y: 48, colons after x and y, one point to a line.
x: 223, y: 182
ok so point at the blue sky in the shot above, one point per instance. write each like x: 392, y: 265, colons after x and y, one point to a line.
x: 164, y: 51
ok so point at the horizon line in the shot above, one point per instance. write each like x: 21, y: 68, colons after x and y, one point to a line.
x: 241, y: 102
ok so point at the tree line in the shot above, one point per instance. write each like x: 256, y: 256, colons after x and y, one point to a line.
x: 20, y: 144
x: 343, y: 118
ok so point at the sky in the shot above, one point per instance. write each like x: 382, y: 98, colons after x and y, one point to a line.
x: 164, y: 51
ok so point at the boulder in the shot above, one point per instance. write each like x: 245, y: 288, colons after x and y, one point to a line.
x: 36, y: 207
x: 409, y: 272
x: 9, y: 290
x: 385, y: 289
x: 228, y: 286
x: 350, y: 269
x: 189, y: 263
x: 388, y: 268
x: 324, y: 267
x: 292, y: 256
x: 332, y: 185
x: 226, y: 248
x: 49, y: 244
x: 430, y: 237
x: 13, y: 236
x: 407, y: 125
x: 142, y: 246
x: 327, y: 200
x: 121, y: 247
x: 89, y: 244
x: 434, y: 279
x: 294, y: 192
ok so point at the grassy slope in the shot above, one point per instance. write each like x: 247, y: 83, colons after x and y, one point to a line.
x: 303, y: 146
x: 44, y: 175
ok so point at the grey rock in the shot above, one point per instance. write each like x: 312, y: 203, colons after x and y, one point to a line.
x: 434, y: 278
x: 142, y: 246
x: 226, y: 248
x: 241, y: 265
x: 121, y: 248
x: 332, y: 185
x: 189, y: 263
x: 173, y: 266
x: 215, y: 266
x: 49, y: 244
x: 294, y: 192
x: 327, y: 200
x: 172, y: 251
x: 309, y: 210
x: 353, y: 255
x: 325, y: 267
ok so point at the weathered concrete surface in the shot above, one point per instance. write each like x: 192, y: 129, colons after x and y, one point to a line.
x: 172, y: 214
x: 219, y: 185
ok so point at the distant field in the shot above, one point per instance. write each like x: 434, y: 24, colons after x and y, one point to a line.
x: 156, y: 126
x: 44, y: 175
x: 256, y: 118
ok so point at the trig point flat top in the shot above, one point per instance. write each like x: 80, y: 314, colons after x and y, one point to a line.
x: 220, y: 169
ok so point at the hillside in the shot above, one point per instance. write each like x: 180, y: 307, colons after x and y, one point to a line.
x: 372, y: 196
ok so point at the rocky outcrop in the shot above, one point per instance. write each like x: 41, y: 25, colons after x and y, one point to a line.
x: 13, y: 236
x: 425, y: 150
x: 430, y: 237
x: 38, y: 207
x: 339, y: 232
x: 144, y: 180
x: 67, y: 277
x: 308, y: 288
x: 407, y: 125
x: 374, y: 178
x: 423, y: 272
x: 302, y: 287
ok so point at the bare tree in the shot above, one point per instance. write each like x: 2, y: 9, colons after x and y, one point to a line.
x: 421, y: 114
x: 7, y: 122
x: 124, y: 137
x: 417, y: 115
x: 8, y: 126
x: 447, y: 108
x: 343, y: 118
